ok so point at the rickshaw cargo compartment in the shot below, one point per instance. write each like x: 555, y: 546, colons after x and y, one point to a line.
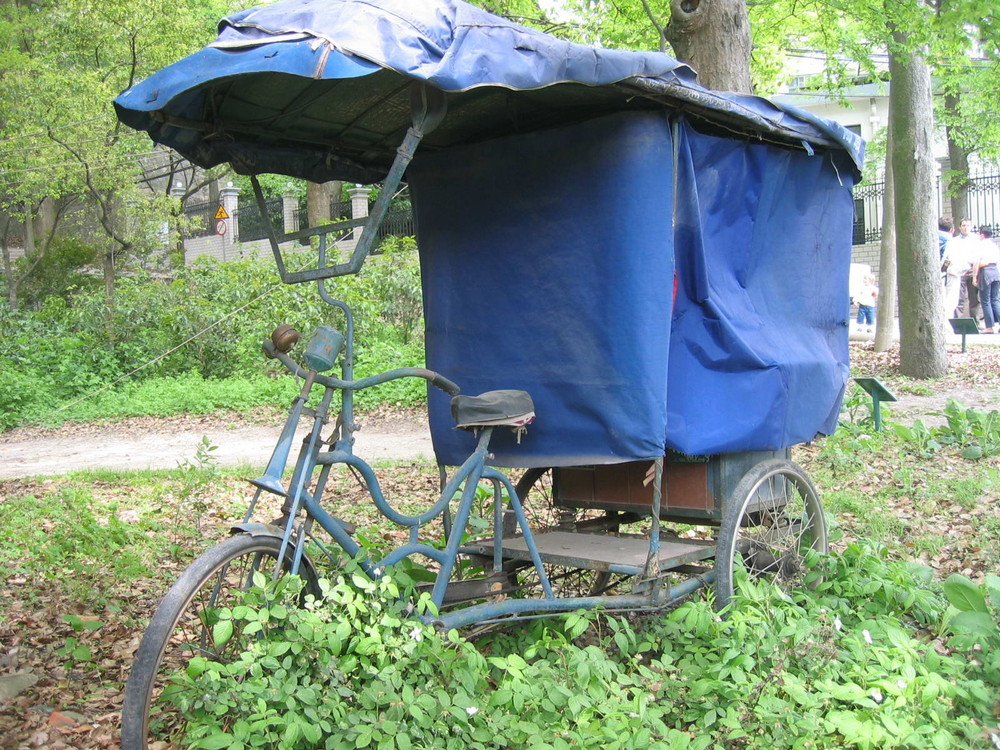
x: 693, y: 487
x: 549, y: 260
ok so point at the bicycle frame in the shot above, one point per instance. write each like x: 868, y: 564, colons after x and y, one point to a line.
x: 649, y: 591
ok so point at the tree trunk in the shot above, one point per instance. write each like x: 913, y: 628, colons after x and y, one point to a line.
x: 8, y: 267
x: 109, y: 276
x: 958, y: 177
x: 922, y: 351
x: 318, y: 203
x: 713, y: 36
x: 885, y: 323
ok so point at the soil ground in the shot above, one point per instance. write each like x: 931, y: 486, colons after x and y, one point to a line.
x: 49, y: 700
x: 166, y: 443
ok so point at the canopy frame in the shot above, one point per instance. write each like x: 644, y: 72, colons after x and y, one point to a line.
x: 427, y: 109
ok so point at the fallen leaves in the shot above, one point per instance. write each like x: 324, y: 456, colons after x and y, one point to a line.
x: 59, y: 702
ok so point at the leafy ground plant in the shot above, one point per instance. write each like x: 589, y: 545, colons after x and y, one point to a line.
x: 844, y: 666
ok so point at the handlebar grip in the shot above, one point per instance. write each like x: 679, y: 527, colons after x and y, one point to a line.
x: 440, y: 381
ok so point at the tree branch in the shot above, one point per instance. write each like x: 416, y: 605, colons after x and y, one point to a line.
x: 660, y: 31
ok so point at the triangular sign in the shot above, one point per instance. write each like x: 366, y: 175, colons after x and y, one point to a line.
x: 221, y: 213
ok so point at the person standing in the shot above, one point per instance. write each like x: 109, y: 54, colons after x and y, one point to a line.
x: 987, y: 277
x: 968, y: 294
x: 866, y: 302
x: 956, y: 264
x: 945, y: 232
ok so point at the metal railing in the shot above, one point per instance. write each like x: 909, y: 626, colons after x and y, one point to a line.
x: 252, y: 225
x: 199, y: 220
x: 868, y: 213
x: 984, y: 202
x: 984, y: 207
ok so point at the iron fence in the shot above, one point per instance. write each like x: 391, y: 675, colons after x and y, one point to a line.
x: 252, y: 224
x: 984, y: 202
x: 983, y: 207
x: 868, y: 213
x: 199, y: 220
x: 398, y: 222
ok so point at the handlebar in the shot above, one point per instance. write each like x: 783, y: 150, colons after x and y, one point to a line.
x: 434, y: 378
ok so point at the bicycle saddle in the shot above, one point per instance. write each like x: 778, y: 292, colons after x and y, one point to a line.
x: 493, y: 408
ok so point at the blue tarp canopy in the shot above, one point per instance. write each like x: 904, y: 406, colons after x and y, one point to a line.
x: 661, y: 266
x: 651, y: 286
x: 319, y: 89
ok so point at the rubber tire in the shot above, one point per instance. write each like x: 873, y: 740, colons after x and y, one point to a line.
x: 737, y: 524
x: 144, y: 676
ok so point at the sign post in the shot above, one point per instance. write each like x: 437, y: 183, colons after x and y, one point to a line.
x: 963, y: 327
x: 874, y: 388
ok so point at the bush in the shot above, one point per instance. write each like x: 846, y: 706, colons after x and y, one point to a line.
x: 845, y: 666
x: 171, y: 346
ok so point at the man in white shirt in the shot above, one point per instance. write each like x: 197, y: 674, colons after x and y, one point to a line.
x: 963, y: 250
x: 959, y: 255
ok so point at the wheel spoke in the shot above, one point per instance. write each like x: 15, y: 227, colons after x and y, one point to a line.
x: 772, y: 521
x: 182, y: 629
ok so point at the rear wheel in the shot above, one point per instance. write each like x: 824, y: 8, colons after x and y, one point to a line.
x: 773, y: 519
x: 182, y: 628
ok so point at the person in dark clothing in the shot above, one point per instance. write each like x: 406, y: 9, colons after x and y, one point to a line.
x: 945, y: 230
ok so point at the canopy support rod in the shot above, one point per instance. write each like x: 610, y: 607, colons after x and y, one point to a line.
x: 428, y: 109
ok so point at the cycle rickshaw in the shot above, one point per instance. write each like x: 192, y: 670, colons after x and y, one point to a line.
x: 656, y: 270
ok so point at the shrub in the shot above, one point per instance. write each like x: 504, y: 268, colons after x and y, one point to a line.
x: 840, y: 667
x: 158, y: 337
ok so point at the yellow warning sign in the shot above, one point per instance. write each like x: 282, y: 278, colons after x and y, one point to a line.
x: 221, y: 213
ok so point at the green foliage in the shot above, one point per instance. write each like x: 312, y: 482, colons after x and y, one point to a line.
x: 974, y: 618
x: 67, y: 161
x: 59, y: 271
x: 918, y: 436
x: 856, y: 411
x: 975, y: 434
x: 210, y: 336
x: 197, y: 475
x: 844, y: 666
x: 69, y: 536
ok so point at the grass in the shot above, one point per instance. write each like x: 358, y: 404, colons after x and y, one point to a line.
x: 97, y: 549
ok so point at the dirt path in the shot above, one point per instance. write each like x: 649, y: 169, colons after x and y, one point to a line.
x: 399, y: 434
x: 166, y: 443
x: 909, y: 407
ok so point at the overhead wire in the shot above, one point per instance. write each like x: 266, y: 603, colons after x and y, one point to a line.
x: 111, y: 158
x: 48, y: 130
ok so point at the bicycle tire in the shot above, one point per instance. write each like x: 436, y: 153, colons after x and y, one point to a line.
x: 183, y: 620
x: 772, y: 519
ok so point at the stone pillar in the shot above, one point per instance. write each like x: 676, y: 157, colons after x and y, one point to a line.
x: 944, y: 205
x: 359, y: 207
x: 289, y: 210
x: 229, y: 199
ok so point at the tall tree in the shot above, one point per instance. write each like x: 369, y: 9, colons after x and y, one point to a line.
x: 922, y: 350
x: 62, y: 62
x: 885, y: 321
x: 713, y: 36
x: 966, y: 63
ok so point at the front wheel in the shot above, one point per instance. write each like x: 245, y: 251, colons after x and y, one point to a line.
x: 772, y: 520
x: 182, y: 628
